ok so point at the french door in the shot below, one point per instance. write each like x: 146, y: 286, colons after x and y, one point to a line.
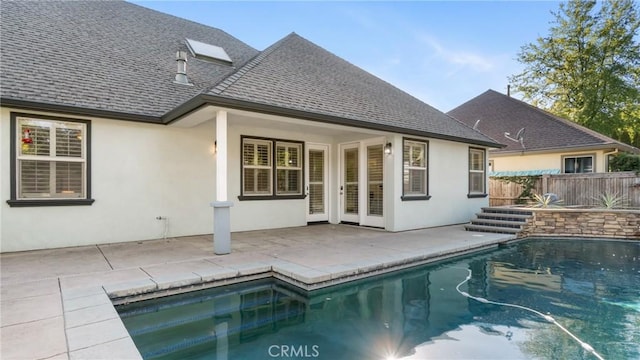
x: 350, y: 183
x: 373, y: 190
x: 361, y: 183
x: 317, y: 182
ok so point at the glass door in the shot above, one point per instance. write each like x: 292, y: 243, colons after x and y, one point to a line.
x: 317, y: 183
x: 350, y: 184
x: 374, y: 180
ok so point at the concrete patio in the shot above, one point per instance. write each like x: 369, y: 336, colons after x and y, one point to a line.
x: 58, y: 304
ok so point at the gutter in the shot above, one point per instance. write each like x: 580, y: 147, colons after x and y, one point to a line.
x: 616, y: 147
x: 204, y: 99
x: 79, y: 111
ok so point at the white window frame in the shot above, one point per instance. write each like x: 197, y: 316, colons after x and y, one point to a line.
x: 575, y: 159
x: 483, y: 171
x: 20, y: 144
x: 408, y: 168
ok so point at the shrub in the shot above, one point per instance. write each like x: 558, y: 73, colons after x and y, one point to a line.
x: 625, y: 162
x: 546, y: 200
x: 611, y: 201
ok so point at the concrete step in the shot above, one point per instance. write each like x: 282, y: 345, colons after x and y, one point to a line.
x: 504, y: 217
x: 498, y: 223
x: 504, y: 220
x: 491, y: 229
x: 506, y: 210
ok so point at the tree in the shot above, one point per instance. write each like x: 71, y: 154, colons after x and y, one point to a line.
x: 625, y: 162
x: 588, y: 69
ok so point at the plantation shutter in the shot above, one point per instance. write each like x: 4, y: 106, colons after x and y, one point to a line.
x: 51, y: 159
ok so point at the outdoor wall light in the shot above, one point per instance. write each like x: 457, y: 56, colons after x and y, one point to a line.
x: 387, y: 148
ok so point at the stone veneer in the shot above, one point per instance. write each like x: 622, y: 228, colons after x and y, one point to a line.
x: 609, y: 223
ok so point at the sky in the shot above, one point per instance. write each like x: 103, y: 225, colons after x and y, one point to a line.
x: 441, y: 52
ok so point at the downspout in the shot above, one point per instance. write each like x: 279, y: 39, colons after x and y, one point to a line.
x: 606, y: 158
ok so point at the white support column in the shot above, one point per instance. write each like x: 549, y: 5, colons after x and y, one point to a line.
x: 221, y: 206
x: 221, y: 156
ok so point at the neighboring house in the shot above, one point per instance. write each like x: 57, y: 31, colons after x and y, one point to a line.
x: 108, y: 135
x: 537, y: 141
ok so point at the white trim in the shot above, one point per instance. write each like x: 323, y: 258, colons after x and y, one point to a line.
x: 327, y: 209
x: 221, y: 156
x: 342, y: 216
x: 365, y: 218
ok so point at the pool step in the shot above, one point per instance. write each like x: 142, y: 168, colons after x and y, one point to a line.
x: 502, y: 220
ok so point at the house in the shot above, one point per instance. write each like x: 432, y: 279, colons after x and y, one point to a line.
x: 120, y: 123
x: 537, y: 142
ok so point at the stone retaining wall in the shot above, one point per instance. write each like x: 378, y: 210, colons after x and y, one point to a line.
x: 609, y: 223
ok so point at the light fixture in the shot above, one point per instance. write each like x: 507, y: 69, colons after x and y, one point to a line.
x: 387, y: 148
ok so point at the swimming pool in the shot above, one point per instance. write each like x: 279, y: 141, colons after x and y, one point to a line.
x: 591, y: 287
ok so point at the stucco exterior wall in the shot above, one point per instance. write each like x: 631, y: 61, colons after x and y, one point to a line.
x: 144, y: 171
x: 139, y: 172
x: 266, y: 214
x: 528, y: 161
x: 448, y: 187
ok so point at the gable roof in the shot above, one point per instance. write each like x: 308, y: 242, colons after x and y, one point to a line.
x: 498, y: 113
x: 119, y: 59
x: 304, y: 77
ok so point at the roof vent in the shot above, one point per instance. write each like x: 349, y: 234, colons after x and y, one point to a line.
x: 208, y: 52
x: 181, y: 75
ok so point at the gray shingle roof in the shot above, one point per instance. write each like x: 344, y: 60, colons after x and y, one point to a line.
x: 499, y: 113
x: 297, y: 74
x: 117, y: 57
x: 107, y: 55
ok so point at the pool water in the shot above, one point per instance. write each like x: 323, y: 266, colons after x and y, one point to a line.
x: 590, y: 287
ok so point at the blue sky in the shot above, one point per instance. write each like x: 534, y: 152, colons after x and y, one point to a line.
x: 442, y: 52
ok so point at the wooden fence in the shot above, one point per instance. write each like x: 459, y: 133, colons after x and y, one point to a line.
x: 572, y: 189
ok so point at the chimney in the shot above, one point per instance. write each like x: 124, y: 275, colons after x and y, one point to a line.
x: 508, y: 90
x: 181, y: 75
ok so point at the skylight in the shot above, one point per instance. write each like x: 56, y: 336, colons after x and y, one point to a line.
x: 207, y: 51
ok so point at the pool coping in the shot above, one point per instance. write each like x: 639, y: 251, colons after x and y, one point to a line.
x: 307, y: 279
x: 63, y: 299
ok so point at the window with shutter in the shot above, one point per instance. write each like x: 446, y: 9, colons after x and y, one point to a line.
x: 415, y: 170
x: 50, y: 162
x: 288, y: 169
x: 271, y: 161
x: 256, y: 167
x: 477, y: 173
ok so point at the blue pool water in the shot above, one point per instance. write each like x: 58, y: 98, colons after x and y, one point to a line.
x: 590, y: 287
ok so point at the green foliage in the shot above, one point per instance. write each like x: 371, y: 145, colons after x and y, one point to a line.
x: 625, y: 162
x: 527, y: 182
x: 611, y: 201
x: 588, y: 68
x: 546, y: 201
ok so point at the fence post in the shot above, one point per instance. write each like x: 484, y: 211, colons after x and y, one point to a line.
x: 545, y: 183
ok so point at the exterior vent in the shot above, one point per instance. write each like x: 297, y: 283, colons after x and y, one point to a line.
x: 181, y: 75
x: 208, y: 52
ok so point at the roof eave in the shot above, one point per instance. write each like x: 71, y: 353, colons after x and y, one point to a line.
x: 206, y: 99
x: 77, y: 111
x: 593, y: 147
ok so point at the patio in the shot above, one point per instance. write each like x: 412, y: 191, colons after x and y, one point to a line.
x: 55, y: 304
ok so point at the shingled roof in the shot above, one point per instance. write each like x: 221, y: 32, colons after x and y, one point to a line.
x: 119, y: 58
x: 106, y: 55
x: 498, y: 113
